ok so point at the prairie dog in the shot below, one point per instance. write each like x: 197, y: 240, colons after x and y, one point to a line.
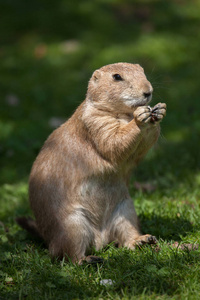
x: 78, y: 187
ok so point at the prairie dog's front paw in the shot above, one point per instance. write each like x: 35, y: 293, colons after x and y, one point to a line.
x: 142, y: 115
x: 158, y: 112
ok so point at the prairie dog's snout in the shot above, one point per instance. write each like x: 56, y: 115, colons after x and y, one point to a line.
x: 147, y: 91
x: 144, y: 90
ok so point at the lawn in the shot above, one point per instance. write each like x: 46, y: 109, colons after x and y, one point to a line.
x: 48, y: 51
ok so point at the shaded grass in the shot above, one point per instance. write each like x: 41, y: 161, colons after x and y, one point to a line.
x: 31, y: 274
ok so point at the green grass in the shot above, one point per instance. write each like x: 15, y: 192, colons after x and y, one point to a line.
x: 27, y: 271
x: 48, y: 51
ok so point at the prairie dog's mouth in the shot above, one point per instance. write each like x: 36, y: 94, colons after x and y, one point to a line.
x: 131, y: 102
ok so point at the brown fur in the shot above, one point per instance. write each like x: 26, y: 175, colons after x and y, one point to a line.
x: 78, y: 186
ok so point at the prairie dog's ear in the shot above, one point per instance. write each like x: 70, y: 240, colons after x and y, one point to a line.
x: 96, y: 75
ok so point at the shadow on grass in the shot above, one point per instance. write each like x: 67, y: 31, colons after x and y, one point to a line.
x: 132, y: 272
x: 151, y: 273
x: 167, y: 229
x: 27, y: 272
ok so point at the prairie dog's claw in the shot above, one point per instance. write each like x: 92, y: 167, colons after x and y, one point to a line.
x: 149, y: 107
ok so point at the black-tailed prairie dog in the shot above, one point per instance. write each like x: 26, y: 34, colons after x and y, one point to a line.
x: 78, y: 187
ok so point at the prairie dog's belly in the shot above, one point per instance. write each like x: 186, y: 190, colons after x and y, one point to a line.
x: 100, y: 195
x: 97, y: 203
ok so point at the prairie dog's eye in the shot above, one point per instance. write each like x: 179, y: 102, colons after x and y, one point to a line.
x: 117, y: 77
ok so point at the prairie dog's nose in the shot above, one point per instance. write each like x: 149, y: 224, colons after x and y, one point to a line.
x: 148, y: 94
x: 148, y: 91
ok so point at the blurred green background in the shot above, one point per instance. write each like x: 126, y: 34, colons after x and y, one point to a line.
x: 48, y: 51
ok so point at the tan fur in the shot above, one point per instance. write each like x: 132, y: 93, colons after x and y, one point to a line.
x: 78, y: 185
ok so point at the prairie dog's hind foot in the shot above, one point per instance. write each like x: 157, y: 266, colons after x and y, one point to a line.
x: 146, y: 239
x: 142, y: 240
x: 90, y: 259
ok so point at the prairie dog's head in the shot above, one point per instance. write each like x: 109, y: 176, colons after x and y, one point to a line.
x: 120, y: 86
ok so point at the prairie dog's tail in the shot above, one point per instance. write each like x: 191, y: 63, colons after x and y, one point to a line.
x: 28, y: 224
